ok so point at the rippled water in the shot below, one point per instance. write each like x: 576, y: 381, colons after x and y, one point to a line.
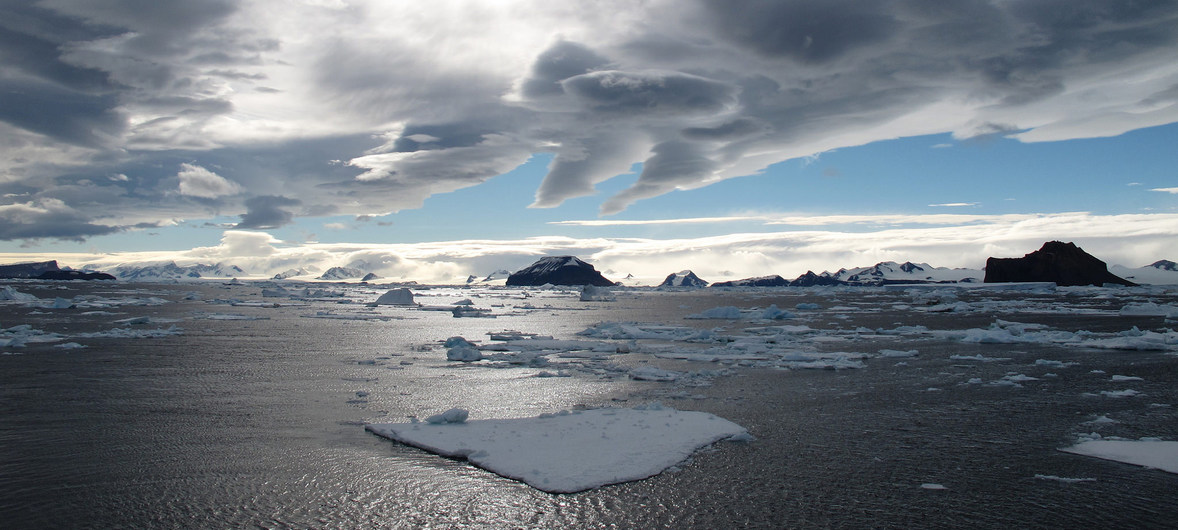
x: 259, y: 423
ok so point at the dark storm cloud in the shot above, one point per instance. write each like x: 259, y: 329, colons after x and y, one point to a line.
x: 65, y: 115
x: 649, y: 92
x: 267, y: 211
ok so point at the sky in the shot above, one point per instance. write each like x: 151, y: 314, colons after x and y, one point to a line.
x: 429, y: 141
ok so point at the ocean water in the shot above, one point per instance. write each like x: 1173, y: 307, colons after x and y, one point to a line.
x: 258, y: 421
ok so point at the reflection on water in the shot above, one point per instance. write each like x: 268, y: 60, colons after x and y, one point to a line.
x: 259, y: 423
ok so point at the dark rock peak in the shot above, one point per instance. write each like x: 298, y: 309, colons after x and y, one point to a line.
x: 558, y: 270
x: 1063, y: 263
x: 810, y: 280
x: 28, y: 270
x: 1165, y: 265
x: 908, y: 267
x: 759, y: 281
x: 369, y: 277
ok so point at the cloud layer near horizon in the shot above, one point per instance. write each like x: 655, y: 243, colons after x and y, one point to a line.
x: 121, y: 114
x: 1132, y: 240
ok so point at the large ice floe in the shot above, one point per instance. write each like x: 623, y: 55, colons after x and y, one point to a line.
x: 1157, y: 454
x: 568, y: 451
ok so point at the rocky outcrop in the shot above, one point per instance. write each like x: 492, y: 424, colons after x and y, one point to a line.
x: 759, y: 281
x: 810, y: 280
x: 28, y: 270
x: 1065, y: 264
x: 683, y: 279
x: 558, y: 270
x: 74, y: 275
x: 1164, y: 265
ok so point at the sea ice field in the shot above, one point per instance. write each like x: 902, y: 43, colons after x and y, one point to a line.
x: 327, y: 405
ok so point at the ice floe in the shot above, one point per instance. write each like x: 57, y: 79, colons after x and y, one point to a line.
x: 1150, y: 453
x: 571, y: 451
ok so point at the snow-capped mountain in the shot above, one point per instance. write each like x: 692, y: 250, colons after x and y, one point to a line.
x: 498, y: 277
x: 291, y: 273
x: 341, y: 273
x: 684, y: 278
x: 890, y: 272
x: 171, y: 271
x: 1161, y: 272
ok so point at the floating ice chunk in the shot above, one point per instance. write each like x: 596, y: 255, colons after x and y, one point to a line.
x: 1150, y: 309
x: 450, y: 416
x: 134, y: 321
x: 1155, y: 454
x: 932, y: 486
x: 464, y: 311
x: 7, y: 293
x: 62, y: 303
x: 978, y: 357
x: 652, y: 373
x: 1129, y: 392
x: 460, y: 349
x: 1101, y: 420
x: 1125, y: 378
x: 1063, y: 479
x: 1053, y: 363
x: 69, y: 346
x: 398, y: 296
x: 577, y: 451
x: 735, y: 313
x: 593, y: 293
x: 1135, y: 340
x: 898, y: 353
x: 131, y: 333
x: 807, y: 306
x: 773, y: 313
x: 723, y: 312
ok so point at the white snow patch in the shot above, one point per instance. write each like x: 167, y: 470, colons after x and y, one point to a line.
x: 571, y: 451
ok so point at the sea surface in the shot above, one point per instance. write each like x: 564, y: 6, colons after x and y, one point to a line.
x: 225, y: 408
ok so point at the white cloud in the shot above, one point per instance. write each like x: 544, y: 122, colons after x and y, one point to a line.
x: 1166, y: 190
x: 698, y: 91
x: 953, y: 204
x: 196, y: 181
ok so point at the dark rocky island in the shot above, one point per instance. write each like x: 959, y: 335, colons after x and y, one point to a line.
x: 74, y: 275
x: 558, y: 270
x: 48, y: 270
x: 1059, y: 262
x: 28, y: 270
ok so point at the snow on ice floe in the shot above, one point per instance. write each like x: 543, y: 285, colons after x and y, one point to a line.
x: 1150, y: 453
x: 1065, y: 480
x: 573, y: 451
